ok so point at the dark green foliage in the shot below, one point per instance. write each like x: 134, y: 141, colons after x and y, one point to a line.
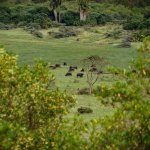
x: 103, y: 19
x: 98, y: 14
x: 39, y: 1
x: 5, y: 16
x: 136, y: 22
x: 92, y: 18
x: 132, y: 3
x: 141, y: 34
x: 70, y: 18
x: 6, y: 26
x: 132, y: 24
x: 22, y: 14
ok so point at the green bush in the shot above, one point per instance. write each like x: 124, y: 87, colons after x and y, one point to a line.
x: 70, y: 18
x: 5, y: 14
x: 132, y: 24
x: 103, y: 19
x: 92, y: 19
x: 22, y: 14
x: 141, y: 34
x: 6, y: 26
x: 39, y: 1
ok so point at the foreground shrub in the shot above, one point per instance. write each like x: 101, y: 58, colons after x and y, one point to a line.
x: 128, y: 128
x: 31, y: 102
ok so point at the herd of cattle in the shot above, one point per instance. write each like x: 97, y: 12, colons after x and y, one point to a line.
x: 70, y: 70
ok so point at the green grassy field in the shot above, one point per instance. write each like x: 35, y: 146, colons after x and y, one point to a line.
x: 91, y: 42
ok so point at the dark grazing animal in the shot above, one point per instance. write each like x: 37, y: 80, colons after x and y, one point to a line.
x: 65, y: 64
x: 68, y: 74
x: 82, y: 70
x: 80, y: 74
x: 74, y: 67
x: 57, y: 65
x: 71, y: 69
x: 93, y: 69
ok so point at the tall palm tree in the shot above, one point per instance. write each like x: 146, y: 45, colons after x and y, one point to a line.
x: 83, y: 6
x: 55, y: 5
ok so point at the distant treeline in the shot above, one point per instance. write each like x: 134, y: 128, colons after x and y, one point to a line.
x: 129, y: 3
x: 96, y: 14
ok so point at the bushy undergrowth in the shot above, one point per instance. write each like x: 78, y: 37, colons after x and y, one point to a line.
x: 98, y: 14
x: 64, y: 32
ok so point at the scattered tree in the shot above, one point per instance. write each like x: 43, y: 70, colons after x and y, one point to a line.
x: 83, y: 6
x: 55, y: 5
x: 93, y: 66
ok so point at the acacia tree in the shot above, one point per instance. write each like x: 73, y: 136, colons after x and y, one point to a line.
x: 83, y: 6
x: 93, y: 66
x: 55, y: 5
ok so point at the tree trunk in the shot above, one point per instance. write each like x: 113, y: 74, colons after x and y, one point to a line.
x: 55, y: 15
x: 83, y: 14
x: 59, y: 17
x: 90, y: 89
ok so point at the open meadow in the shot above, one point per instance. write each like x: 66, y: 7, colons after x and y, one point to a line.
x: 90, y: 41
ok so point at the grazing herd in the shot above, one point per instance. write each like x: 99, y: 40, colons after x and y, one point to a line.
x: 71, y: 69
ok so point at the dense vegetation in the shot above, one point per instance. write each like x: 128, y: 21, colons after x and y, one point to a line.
x: 34, y: 109
x: 97, y: 14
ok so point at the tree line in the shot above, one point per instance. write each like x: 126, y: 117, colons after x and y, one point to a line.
x: 83, y: 5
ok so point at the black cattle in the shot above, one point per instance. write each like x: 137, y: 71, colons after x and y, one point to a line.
x: 80, y: 74
x: 65, y: 64
x: 57, y: 65
x: 74, y: 67
x: 68, y: 74
x: 82, y: 70
x: 93, y: 69
x: 71, y: 69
